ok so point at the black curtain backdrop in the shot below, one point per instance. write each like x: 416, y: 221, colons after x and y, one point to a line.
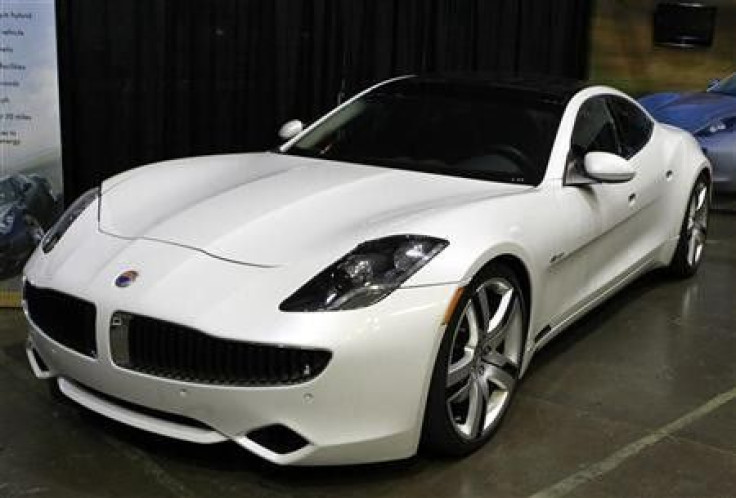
x: 147, y: 80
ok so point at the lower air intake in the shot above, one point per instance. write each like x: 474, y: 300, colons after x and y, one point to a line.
x: 278, y: 439
x: 65, y: 319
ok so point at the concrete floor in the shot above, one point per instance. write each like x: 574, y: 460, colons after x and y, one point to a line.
x: 637, y: 400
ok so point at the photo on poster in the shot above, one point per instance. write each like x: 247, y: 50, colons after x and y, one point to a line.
x: 30, y: 142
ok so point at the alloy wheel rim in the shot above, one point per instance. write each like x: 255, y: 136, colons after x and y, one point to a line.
x: 697, y: 224
x: 484, y: 358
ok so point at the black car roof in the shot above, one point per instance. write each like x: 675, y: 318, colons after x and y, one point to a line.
x: 542, y: 88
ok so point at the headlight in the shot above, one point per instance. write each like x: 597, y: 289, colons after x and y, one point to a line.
x: 57, y: 231
x: 717, y: 127
x: 366, y: 274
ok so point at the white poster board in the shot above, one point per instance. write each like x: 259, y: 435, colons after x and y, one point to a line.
x: 30, y: 137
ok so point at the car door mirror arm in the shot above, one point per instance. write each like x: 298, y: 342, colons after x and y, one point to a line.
x: 575, y: 175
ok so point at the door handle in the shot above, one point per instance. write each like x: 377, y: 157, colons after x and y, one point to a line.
x: 669, y: 175
x: 632, y: 199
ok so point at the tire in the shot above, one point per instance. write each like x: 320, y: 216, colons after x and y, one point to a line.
x: 478, y: 364
x: 693, y: 231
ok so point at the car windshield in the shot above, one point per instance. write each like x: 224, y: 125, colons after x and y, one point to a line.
x: 726, y: 85
x: 478, y: 132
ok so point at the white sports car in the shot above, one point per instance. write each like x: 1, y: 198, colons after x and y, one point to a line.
x: 380, y: 281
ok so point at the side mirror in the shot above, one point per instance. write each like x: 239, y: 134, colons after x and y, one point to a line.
x: 290, y: 129
x: 608, y: 168
x: 712, y: 83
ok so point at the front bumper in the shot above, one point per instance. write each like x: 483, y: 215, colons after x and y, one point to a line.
x: 366, y: 406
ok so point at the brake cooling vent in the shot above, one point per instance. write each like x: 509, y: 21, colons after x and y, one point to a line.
x: 278, y: 439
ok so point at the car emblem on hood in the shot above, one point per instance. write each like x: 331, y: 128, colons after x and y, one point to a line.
x: 126, y: 278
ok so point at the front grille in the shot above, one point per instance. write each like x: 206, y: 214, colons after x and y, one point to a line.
x: 65, y: 319
x: 165, y: 349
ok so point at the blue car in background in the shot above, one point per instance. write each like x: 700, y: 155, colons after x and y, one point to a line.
x: 711, y: 117
x: 28, y: 207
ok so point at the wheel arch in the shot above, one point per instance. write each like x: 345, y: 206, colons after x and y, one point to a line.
x: 703, y: 169
x: 689, y: 163
x: 521, y: 268
x: 708, y: 173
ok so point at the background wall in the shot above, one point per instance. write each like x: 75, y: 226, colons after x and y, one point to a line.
x: 145, y: 80
x: 623, y: 55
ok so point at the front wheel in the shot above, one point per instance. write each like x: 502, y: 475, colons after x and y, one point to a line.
x: 478, y: 364
x: 693, y: 231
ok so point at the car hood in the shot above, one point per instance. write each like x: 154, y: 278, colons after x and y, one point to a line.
x: 693, y: 111
x: 271, y: 209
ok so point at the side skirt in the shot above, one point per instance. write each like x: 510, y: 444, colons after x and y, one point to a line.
x: 551, y: 331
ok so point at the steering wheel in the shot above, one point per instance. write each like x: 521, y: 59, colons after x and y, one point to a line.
x: 515, y: 156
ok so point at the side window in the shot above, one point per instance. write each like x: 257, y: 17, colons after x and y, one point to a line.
x: 634, y: 127
x: 595, y: 129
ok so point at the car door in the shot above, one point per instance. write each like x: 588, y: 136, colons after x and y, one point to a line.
x: 601, y: 252
x: 653, y: 176
x: 612, y: 205
x: 585, y: 211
